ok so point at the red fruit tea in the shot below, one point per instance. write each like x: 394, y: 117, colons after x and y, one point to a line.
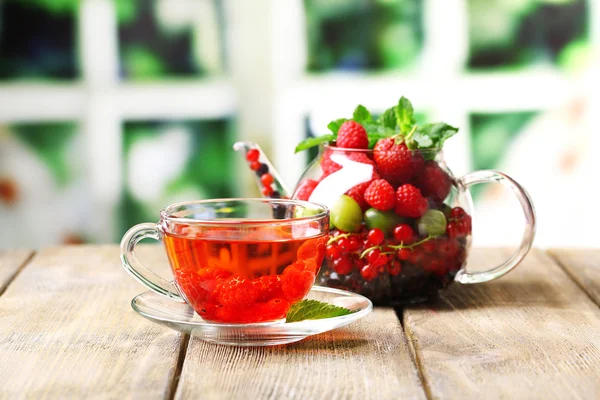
x: 244, y: 277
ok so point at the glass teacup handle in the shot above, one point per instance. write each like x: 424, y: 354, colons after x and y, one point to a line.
x: 486, y: 176
x: 136, y: 269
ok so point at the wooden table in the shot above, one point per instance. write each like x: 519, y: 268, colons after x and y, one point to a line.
x: 67, y: 331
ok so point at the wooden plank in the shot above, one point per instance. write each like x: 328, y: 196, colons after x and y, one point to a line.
x: 533, y: 333
x: 67, y: 331
x: 583, y: 266
x: 10, y: 263
x: 368, y: 359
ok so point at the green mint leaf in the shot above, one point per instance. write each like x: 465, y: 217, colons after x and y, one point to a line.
x: 431, y: 136
x: 314, y: 141
x: 313, y: 309
x: 388, y: 118
x: 376, y: 131
x: 334, y: 126
x: 420, y: 140
x: 438, y: 132
x: 362, y: 115
x: 405, y: 115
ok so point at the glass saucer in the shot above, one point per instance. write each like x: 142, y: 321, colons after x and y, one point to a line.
x: 181, y: 317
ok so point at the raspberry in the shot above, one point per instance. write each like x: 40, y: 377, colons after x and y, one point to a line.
x: 271, y: 310
x: 380, y: 195
x: 312, y: 248
x: 329, y: 166
x: 305, y: 189
x: 359, y: 156
x: 311, y: 265
x: 433, y: 181
x: 410, y: 202
x: 352, y: 136
x: 457, y: 212
x: 189, y: 283
x: 236, y: 292
x: 296, y: 283
x: 396, y: 163
x: 267, y: 287
x: 358, y: 194
x: 197, y: 286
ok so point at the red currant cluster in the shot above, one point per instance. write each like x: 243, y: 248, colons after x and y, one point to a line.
x: 368, y: 257
x: 262, y: 171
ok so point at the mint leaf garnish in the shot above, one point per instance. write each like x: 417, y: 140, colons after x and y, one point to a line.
x: 433, y: 135
x: 314, y: 141
x: 388, y: 118
x: 314, y: 309
x: 362, y: 115
x: 397, y: 122
x: 376, y: 131
x: 405, y: 118
x: 334, y: 126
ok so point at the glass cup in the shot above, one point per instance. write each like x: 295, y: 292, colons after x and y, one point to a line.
x: 235, y: 260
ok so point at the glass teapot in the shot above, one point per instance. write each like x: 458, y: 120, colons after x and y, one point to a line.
x: 409, y: 252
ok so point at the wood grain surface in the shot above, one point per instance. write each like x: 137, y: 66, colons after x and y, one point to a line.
x: 584, y: 268
x: 368, y: 359
x: 67, y: 331
x: 531, y: 334
x: 10, y: 263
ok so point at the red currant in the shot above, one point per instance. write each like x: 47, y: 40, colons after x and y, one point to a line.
x: 332, y: 251
x: 353, y: 243
x: 254, y: 165
x: 394, y: 268
x: 266, y: 179
x: 369, y: 272
x: 252, y: 155
x: 344, y: 244
x: 429, y: 246
x: 342, y: 266
x: 403, y: 233
x: 404, y: 254
x: 375, y: 237
x: 416, y: 256
x: 373, y: 256
x: 382, y: 260
x: 267, y: 191
x: 457, y: 212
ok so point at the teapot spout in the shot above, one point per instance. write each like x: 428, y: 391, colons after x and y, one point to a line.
x: 267, y: 178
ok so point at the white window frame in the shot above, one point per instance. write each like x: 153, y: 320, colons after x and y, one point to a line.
x: 269, y: 92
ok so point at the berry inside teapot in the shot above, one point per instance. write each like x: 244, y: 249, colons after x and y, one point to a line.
x: 400, y: 221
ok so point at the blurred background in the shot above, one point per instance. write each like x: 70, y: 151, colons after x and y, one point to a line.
x: 112, y: 109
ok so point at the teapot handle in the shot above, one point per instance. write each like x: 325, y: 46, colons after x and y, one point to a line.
x: 487, y: 176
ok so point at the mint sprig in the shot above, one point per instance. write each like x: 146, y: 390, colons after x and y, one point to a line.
x: 398, y: 122
x: 314, y: 141
x: 405, y: 115
x: 314, y: 309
